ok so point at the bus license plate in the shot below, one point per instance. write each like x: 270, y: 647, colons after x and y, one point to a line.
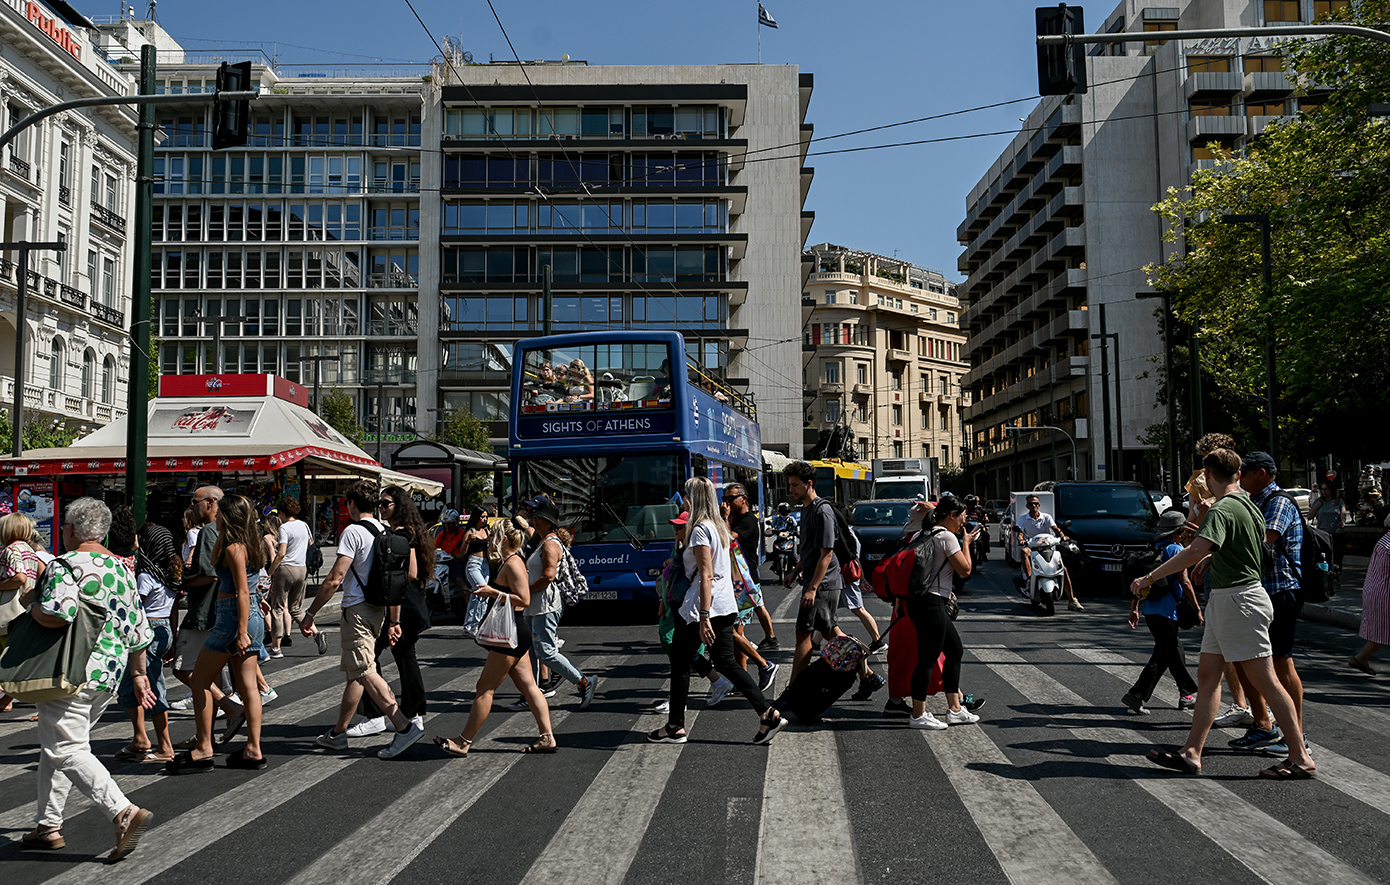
x: 601, y: 594
x: 1112, y: 567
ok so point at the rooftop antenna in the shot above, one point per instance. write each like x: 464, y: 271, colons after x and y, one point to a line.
x: 153, y: 4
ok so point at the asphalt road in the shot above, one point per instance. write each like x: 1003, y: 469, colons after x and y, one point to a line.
x: 1051, y: 786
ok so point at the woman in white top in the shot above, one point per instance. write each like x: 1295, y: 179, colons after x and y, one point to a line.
x: 707, y: 615
x: 288, y: 577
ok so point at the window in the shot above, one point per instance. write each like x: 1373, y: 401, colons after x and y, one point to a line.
x: 1150, y: 45
x: 1265, y: 109
x: 926, y: 419
x: 108, y: 282
x: 832, y: 411
x: 829, y: 296
x: 1267, y: 64
x: 897, y: 416
x: 1282, y: 11
x: 897, y: 449
x: 61, y: 257
x: 1211, y: 109
x: 92, y: 272
x: 1210, y: 64
x: 926, y: 383
x: 950, y: 317
x: 1323, y: 8
x: 89, y: 370
x: 832, y: 372
x: 108, y: 380
x: 64, y: 165
x: 56, y: 368
x: 861, y: 373
x: 898, y: 380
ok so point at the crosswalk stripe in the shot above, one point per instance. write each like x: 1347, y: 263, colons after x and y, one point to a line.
x: 600, y: 836
x: 1345, y: 775
x: 805, y: 831
x: 784, y: 608
x: 1270, y: 849
x: 168, y: 843
x: 419, y: 817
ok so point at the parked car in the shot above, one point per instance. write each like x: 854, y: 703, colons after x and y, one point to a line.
x: 1162, y: 502
x: 1109, y: 521
x: 879, y: 525
x: 995, y: 508
x: 1301, y: 497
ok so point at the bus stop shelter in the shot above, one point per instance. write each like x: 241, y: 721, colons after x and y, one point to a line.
x: 426, y: 455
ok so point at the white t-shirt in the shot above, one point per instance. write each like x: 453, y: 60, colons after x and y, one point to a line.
x: 189, y: 542
x: 722, y: 600
x: 294, y: 534
x: 156, y: 598
x: 1031, y: 527
x: 360, y: 544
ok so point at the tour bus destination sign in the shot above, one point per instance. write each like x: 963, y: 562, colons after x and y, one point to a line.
x: 562, y: 426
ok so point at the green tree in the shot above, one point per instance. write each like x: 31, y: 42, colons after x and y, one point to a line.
x: 38, y: 434
x: 952, y: 480
x: 463, y: 430
x: 341, y: 414
x: 1322, y: 179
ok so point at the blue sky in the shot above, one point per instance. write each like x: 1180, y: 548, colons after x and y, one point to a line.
x: 875, y: 62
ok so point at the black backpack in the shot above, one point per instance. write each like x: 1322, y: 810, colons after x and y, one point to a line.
x: 1317, y: 574
x: 389, y: 572
x: 313, y: 557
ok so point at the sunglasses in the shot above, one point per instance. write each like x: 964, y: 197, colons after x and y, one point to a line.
x: 386, y: 502
x: 733, y: 497
x: 1033, y: 504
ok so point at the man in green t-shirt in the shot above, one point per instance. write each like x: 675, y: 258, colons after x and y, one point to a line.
x: 1231, y: 545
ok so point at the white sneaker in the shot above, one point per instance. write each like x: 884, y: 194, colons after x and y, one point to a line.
x: 367, y: 727
x: 184, y: 704
x: 928, y: 721
x: 961, y: 717
x: 663, y: 707
x: 1235, y: 717
x: 402, y: 741
x: 332, y: 741
x: 268, y: 695
x: 418, y: 720
x: 718, y: 691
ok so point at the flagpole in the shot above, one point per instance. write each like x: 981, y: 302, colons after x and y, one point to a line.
x: 760, y: 33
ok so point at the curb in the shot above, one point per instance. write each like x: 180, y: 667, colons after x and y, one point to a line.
x: 1326, y: 614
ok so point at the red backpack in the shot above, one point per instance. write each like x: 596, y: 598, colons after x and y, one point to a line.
x: 891, y: 578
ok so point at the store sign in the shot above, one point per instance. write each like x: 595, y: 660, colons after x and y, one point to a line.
x: 578, y: 426
x: 182, y: 463
x: 54, y: 31
x: 202, y: 421
x: 37, y: 501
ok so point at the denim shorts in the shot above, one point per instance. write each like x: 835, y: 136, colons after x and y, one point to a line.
x: 154, y: 668
x: 222, y: 637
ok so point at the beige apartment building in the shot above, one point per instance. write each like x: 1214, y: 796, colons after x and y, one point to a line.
x: 883, y: 355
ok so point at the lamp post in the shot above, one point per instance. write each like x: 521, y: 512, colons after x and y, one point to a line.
x: 1014, y: 430
x: 20, y: 308
x: 1051, y: 400
x: 1271, y: 382
x: 1173, y: 488
x: 1105, y: 347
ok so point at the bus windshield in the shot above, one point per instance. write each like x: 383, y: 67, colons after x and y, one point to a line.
x: 608, y: 498
x: 627, y: 375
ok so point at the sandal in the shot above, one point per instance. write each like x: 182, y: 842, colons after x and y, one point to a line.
x: 1289, y: 770
x: 540, y: 745
x: 770, y: 729
x: 458, y: 749
x: 239, y: 760
x: 152, y: 756
x: 667, y: 735
x: 1174, y: 761
x: 1355, y: 663
x: 184, y: 763
x: 50, y: 840
x: 133, y: 754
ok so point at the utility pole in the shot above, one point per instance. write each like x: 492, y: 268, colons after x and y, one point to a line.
x: 20, y: 338
x: 137, y: 411
x: 380, y: 410
x: 1174, y: 487
x: 1105, y: 394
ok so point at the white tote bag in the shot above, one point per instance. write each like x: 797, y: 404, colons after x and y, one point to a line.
x: 498, y: 629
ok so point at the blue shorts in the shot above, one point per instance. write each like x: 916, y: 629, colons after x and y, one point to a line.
x: 222, y: 637
x: 154, y: 668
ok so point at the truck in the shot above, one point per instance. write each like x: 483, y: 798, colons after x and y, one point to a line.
x: 906, y: 478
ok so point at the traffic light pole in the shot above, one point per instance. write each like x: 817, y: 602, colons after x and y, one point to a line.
x: 1271, y: 31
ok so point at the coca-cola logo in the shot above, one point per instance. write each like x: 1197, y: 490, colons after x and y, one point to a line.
x: 208, y: 419
x: 196, y: 462
x: 119, y: 465
x: 214, y: 384
x: 67, y: 466
x: 249, y: 462
x: 93, y: 465
x: 223, y: 462
x: 171, y: 463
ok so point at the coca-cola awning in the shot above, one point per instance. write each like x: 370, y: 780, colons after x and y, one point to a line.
x: 211, y: 432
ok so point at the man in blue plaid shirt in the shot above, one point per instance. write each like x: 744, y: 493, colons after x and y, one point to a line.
x: 1284, y: 531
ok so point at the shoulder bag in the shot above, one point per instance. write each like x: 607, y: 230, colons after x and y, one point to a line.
x: 50, y: 663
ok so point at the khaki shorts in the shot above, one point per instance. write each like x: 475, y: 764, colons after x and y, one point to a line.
x: 361, y: 624
x: 1237, y: 623
x: 186, y: 649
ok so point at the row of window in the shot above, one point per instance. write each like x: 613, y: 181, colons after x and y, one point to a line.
x: 396, y: 129
x: 1280, y: 108
x: 276, y: 221
x: 646, y: 121
x: 490, y: 363
x: 582, y: 312
x: 861, y: 334
x: 1067, y: 409
x: 274, y: 173
x: 273, y: 316
x: 641, y: 169
x: 833, y: 372
x: 327, y: 268
x: 860, y: 412
x: 586, y: 264
x: 1220, y: 64
x: 90, y: 386
x: 561, y: 217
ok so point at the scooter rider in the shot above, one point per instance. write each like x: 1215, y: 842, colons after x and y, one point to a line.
x: 975, y: 512
x: 452, y: 540
x: 783, y: 521
x: 1033, y: 523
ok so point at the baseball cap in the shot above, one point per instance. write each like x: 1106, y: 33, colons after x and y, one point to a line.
x: 682, y: 519
x: 1258, y: 461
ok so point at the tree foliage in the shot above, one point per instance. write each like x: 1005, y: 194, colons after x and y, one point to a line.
x: 1324, y: 181
x: 38, y: 434
x: 340, y: 412
x: 463, y: 430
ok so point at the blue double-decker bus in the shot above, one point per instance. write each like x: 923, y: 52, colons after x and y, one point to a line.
x: 610, y: 425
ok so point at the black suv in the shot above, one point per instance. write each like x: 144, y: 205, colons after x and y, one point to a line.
x: 1109, y: 521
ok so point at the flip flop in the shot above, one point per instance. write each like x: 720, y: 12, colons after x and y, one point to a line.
x: 238, y: 760
x: 451, y: 748
x: 1288, y: 770
x: 1175, y: 761
x: 132, y: 754
x: 152, y: 756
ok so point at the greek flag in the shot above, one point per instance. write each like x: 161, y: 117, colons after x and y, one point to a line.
x: 765, y: 17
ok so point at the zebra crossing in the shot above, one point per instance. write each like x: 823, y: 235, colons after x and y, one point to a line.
x: 1051, y: 786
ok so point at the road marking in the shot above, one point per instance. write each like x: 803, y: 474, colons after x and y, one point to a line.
x: 784, y: 608
x: 1027, y: 836
x: 419, y: 817
x: 600, y: 836
x: 171, y: 842
x: 1346, y: 775
x: 804, y: 835
x: 1271, y: 850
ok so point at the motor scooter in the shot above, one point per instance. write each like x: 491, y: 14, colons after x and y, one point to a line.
x: 1045, y: 586
x: 783, y: 546
x: 442, y: 587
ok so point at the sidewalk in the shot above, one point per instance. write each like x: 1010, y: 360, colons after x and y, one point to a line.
x: 1344, y: 609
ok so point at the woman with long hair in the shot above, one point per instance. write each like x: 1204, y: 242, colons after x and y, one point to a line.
x: 20, y: 569
x: 270, y: 540
x: 235, y: 637
x: 191, y: 527
x: 401, y: 516
x: 158, y: 568
x: 513, y: 588
x: 940, y: 556
x: 707, y: 615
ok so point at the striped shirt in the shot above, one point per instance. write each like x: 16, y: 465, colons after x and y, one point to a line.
x: 1375, y: 596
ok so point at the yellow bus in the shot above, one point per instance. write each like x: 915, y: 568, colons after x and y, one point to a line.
x: 843, y: 482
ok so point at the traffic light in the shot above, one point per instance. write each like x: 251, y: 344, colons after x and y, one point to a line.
x: 232, y: 119
x: 1061, y: 69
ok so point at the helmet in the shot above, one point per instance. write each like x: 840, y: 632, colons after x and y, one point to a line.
x: 784, y: 508
x: 971, y: 500
x: 450, y: 517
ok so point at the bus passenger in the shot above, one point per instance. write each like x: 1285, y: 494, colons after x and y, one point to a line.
x: 580, y: 385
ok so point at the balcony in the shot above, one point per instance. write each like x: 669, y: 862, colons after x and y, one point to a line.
x: 926, y: 397
x: 107, y: 217
x: 70, y: 296
x: 831, y: 388
x: 1267, y: 86
x: 387, y: 186
x: 21, y: 168
x: 393, y: 328
x: 1208, y: 85
x: 57, y: 403
x: 863, y: 390
x: 399, y: 280
x: 1256, y: 125
x: 108, y: 315
x: 393, y: 233
x: 65, y: 195
x: 1205, y: 129
x: 898, y: 355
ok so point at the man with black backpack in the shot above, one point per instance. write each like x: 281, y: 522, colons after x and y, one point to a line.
x: 372, y: 567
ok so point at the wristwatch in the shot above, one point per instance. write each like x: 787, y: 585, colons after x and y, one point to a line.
x: 391, y: 623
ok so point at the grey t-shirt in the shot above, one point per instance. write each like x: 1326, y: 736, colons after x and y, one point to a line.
x: 817, y: 533
x: 931, y: 572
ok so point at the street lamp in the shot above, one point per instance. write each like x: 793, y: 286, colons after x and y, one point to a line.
x: 1105, y: 348
x: 1051, y: 399
x: 1014, y: 430
x: 1173, y: 488
x: 1262, y: 219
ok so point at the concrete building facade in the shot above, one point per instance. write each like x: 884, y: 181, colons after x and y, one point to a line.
x: 883, y: 352
x: 66, y: 179
x: 1058, y: 231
